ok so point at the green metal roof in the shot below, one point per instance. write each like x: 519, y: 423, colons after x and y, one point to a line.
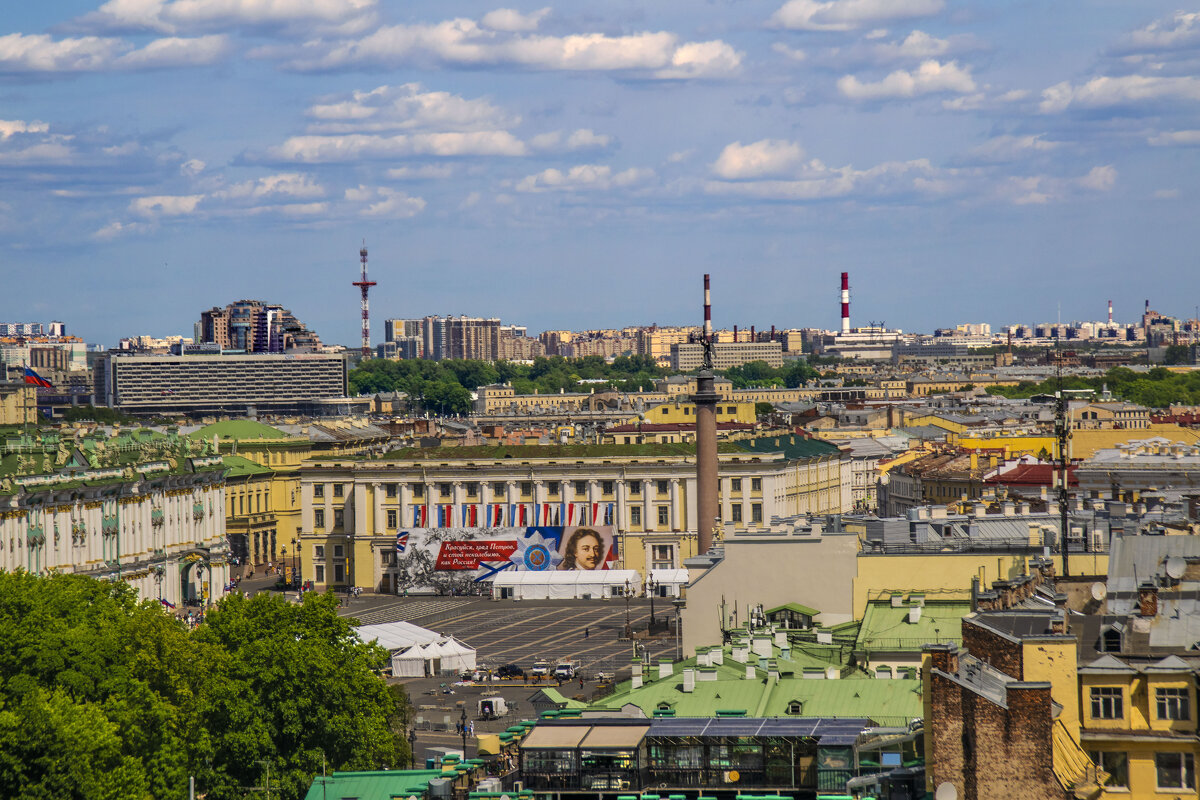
x: 799, y: 609
x: 551, y: 451
x: 239, y: 429
x: 887, y: 628
x: 792, y: 446
x: 239, y: 467
x: 380, y: 785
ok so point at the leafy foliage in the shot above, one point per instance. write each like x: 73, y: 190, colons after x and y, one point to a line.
x: 103, y: 697
x: 1157, y: 388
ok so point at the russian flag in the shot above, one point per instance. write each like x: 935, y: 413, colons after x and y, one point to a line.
x: 37, y: 380
x: 424, y: 516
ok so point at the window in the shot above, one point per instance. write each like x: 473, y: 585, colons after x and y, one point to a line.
x: 662, y: 556
x: 580, y: 488
x: 318, y: 490
x: 735, y: 484
x: 318, y: 551
x: 418, y: 490
x: 472, y: 489
x: 663, y: 486
x: 391, y: 490
x: 552, y: 487
x: 736, y: 512
x: 756, y: 484
x: 389, y: 558
x: 1110, y: 641
x: 756, y: 513
x: 499, y: 489
x: 1115, y: 764
x: 664, y: 515
x: 635, y: 516
x: 1172, y: 703
x: 606, y: 487
x: 337, y: 490
x: 635, y: 487
x: 526, y: 488
x: 392, y: 518
x: 1107, y: 702
x: 795, y: 708
x: 1175, y: 770
x: 339, y: 573
x: 444, y: 490
x: 318, y: 518
x: 339, y: 551
x: 320, y: 573
x: 339, y: 518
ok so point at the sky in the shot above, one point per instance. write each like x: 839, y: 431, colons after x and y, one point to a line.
x: 582, y: 165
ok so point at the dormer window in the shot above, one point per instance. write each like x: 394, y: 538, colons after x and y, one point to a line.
x: 795, y: 708
x: 1110, y: 638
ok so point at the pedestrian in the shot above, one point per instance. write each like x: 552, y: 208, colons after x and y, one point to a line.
x: 580, y: 681
x: 585, y: 633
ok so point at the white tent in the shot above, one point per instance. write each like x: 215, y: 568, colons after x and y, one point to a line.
x: 417, y: 652
x: 587, y: 584
x: 671, y: 581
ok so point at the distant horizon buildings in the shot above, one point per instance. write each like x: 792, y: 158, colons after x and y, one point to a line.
x: 253, y: 326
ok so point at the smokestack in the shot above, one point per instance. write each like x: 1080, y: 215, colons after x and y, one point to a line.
x: 753, y: 335
x: 707, y: 311
x: 772, y: 333
x: 735, y: 333
x: 845, y: 302
x: 1110, y: 312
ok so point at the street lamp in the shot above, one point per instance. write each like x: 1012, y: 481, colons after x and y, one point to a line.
x: 679, y: 603
x: 652, y: 587
x: 464, y: 730
x: 628, y: 624
x: 295, y: 563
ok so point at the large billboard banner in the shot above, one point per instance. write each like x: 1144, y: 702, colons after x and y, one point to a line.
x: 451, y: 559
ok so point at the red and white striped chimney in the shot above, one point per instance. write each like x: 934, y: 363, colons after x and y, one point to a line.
x: 845, y: 302
x: 1110, y: 312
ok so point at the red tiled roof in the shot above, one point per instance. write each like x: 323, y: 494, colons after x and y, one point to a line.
x: 1034, y: 475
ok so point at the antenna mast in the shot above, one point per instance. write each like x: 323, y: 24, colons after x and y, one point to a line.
x: 365, y: 285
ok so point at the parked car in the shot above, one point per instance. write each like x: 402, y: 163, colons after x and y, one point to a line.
x: 509, y: 671
x: 564, y: 669
x: 541, y: 669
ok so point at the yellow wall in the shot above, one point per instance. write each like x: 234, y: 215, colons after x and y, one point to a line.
x: 18, y: 405
x: 1055, y: 662
x: 677, y: 413
x: 1084, y: 444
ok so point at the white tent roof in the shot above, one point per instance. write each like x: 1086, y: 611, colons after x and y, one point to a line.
x: 675, y: 576
x: 601, y: 577
x: 397, y: 635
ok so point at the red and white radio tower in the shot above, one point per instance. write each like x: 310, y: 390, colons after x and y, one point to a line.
x: 365, y: 285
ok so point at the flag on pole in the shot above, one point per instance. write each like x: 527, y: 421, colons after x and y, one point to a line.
x: 37, y: 380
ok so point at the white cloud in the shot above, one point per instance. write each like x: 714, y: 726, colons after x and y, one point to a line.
x: 816, y: 181
x: 176, y: 52
x: 286, y: 184
x: 422, y: 172
x: 581, y: 139
x: 406, y: 107
x: 45, y: 153
x: 1106, y: 92
x: 8, y: 127
x: 1175, y: 138
x: 791, y: 53
x: 465, y: 42
x: 381, y: 201
x: 1166, y: 194
x: 174, y: 16
x: 1008, y: 148
x: 758, y: 159
x: 582, y: 177
x: 1180, y: 30
x: 166, y: 205
x: 1100, y: 179
x: 844, y: 15
x: 916, y: 45
x: 192, y: 167
x: 334, y: 149
x: 931, y: 76
x: 1025, y: 191
x: 507, y: 19
x: 115, y: 229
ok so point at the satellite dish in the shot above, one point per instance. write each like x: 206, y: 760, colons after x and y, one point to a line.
x: 946, y: 791
x: 1175, y: 567
x: 1099, y: 591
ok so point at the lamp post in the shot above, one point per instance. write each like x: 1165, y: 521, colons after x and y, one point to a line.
x: 464, y: 730
x: 295, y: 563
x: 652, y: 588
x: 628, y: 624
x: 679, y: 603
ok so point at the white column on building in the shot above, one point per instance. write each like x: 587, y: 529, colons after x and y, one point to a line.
x: 621, y: 495
x: 649, y: 491
x: 594, y: 501
x: 404, y: 503
x: 380, y: 526
x: 675, y: 506
x: 458, y: 493
x: 511, y: 499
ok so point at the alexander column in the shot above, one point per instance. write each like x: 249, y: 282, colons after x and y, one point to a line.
x: 706, y: 399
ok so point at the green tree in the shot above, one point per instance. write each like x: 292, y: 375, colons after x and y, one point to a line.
x: 761, y: 409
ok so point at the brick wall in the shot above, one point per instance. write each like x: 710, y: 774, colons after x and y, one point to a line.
x: 987, y: 646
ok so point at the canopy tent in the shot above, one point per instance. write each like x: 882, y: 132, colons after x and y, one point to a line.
x: 669, y: 581
x: 418, y: 652
x: 586, y: 584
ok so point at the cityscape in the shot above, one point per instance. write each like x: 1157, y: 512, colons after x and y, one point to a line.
x: 755, y: 401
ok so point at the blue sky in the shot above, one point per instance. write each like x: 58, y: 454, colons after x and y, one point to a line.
x: 582, y: 165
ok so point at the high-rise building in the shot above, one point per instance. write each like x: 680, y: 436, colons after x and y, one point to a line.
x: 255, y: 327
x: 393, y: 329
x: 473, y: 337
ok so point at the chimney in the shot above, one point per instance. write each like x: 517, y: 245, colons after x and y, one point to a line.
x: 772, y: 333
x: 717, y: 655
x: 1110, y: 312
x: 665, y: 668
x: 845, y: 302
x: 689, y: 680
x: 751, y: 673
x: 636, y: 674
x: 735, y: 338
x: 781, y: 638
x: 1148, y: 599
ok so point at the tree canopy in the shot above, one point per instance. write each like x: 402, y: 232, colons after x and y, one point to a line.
x: 1156, y: 388
x: 105, y: 697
